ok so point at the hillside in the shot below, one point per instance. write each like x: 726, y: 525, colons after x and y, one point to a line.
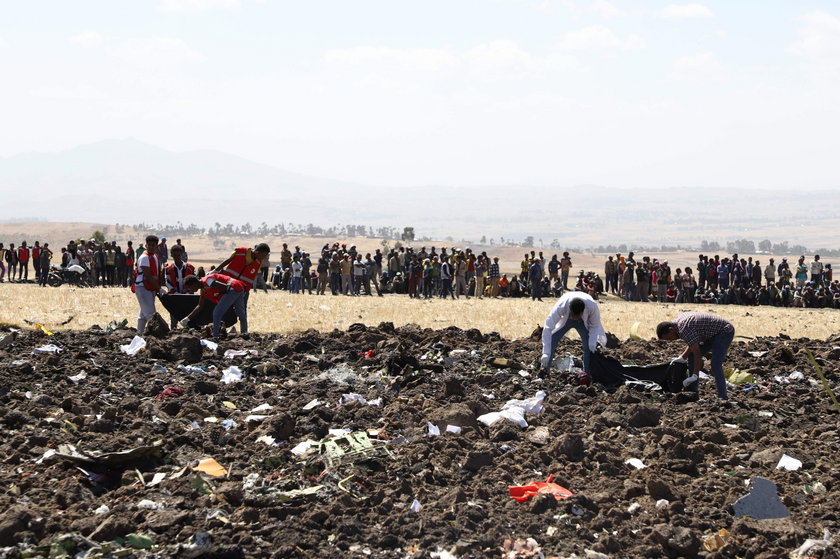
x: 127, y: 181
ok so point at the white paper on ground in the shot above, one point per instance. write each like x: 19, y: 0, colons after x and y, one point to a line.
x: 453, y: 429
x: 209, y: 344
x: 231, y: 374
x: 516, y: 415
x: 262, y: 407
x: 77, y: 378
x: 514, y: 410
x: 789, y: 463
x: 339, y: 432
x: 415, y: 506
x: 149, y: 505
x: 313, y: 404
x: 137, y: 343
x: 49, y: 348
x: 302, y: 447
x: 352, y: 397
x: 434, y: 430
x: 636, y: 463
x: 231, y: 353
x: 814, y: 544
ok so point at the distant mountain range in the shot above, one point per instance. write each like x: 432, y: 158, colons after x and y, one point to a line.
x: 127, y: 181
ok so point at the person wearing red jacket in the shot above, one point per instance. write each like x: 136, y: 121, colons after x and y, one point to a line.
x: 222, y: 290
x: 36, y: 260
x: 23, y: 261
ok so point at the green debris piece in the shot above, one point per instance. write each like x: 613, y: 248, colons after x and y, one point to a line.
x: 62, y: 546
x: 274, y: 461
x: 69, y: 426
x: 201, y: 485
x: 139, y: 541
x: 349, y: 449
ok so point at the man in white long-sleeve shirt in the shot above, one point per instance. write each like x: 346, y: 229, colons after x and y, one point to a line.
x: 573, y: 310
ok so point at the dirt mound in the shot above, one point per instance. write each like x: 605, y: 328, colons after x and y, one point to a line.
x: 322, y: 446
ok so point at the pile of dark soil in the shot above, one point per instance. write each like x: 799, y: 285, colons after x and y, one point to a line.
x: 69, y: 488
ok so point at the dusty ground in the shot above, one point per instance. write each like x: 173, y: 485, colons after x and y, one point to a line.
x: 272, y: 503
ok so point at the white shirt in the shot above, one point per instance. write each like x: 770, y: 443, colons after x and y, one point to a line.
x: 142, y: 262
x: 559, y: 315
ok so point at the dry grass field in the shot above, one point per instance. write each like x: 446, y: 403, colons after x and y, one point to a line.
x: 281, y: 312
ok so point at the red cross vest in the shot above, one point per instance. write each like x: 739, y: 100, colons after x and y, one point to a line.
x: 242, y: 270
x: 213, y: 286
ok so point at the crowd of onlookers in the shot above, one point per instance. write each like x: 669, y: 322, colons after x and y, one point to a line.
x: 725, y: 281
x: 422, y: 274
x: 87, y: 263
x: 453, y: 272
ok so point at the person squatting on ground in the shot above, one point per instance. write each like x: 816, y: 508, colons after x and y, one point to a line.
x: 222, y: 290
x: 147, y: 282
x: 703, y: 333
x: 573, y: 310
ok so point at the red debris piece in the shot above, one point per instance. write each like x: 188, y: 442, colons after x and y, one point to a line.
x: 524, y: 492
x: 170, y: 392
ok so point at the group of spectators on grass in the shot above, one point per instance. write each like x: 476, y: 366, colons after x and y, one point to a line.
x: 454, y: 273
x: 88, y: 263
x: 422, y: 274
x: 725, y: 281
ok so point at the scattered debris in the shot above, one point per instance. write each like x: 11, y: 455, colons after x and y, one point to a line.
x: 762, y: 502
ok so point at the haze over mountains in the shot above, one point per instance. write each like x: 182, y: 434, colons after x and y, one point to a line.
x: 127, y: 181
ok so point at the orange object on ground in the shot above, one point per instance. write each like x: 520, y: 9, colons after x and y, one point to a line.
x: 210, y: 467
x: 524, y: 492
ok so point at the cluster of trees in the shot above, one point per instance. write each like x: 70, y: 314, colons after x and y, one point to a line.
x: 276, y: 230
x: 407, y: 234
x: 740, y: 246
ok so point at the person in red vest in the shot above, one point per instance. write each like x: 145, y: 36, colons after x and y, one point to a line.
x: 147, y: 282
x: 244, y: 265
x: 222, y: 290
x: 177, y: 271
x: 174, y: 275
x: 129, y: 263
x: 36, y: 261
x: 23, y: 261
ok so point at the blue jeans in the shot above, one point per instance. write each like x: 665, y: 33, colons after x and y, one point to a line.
x: 235, y: 299
x: 578, y: 325
x: 719, y: 347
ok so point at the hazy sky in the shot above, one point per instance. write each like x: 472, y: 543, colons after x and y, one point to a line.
x: 452, y: 92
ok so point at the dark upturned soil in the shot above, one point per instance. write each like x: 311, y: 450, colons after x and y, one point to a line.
x: 700, y: 454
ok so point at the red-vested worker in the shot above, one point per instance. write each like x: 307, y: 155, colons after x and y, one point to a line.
x: 225, y: 292
x: 23, y: 261
x: 147, y: 282
x: 244, y: 264
x: 36, y: 260
x: 177, y: 271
